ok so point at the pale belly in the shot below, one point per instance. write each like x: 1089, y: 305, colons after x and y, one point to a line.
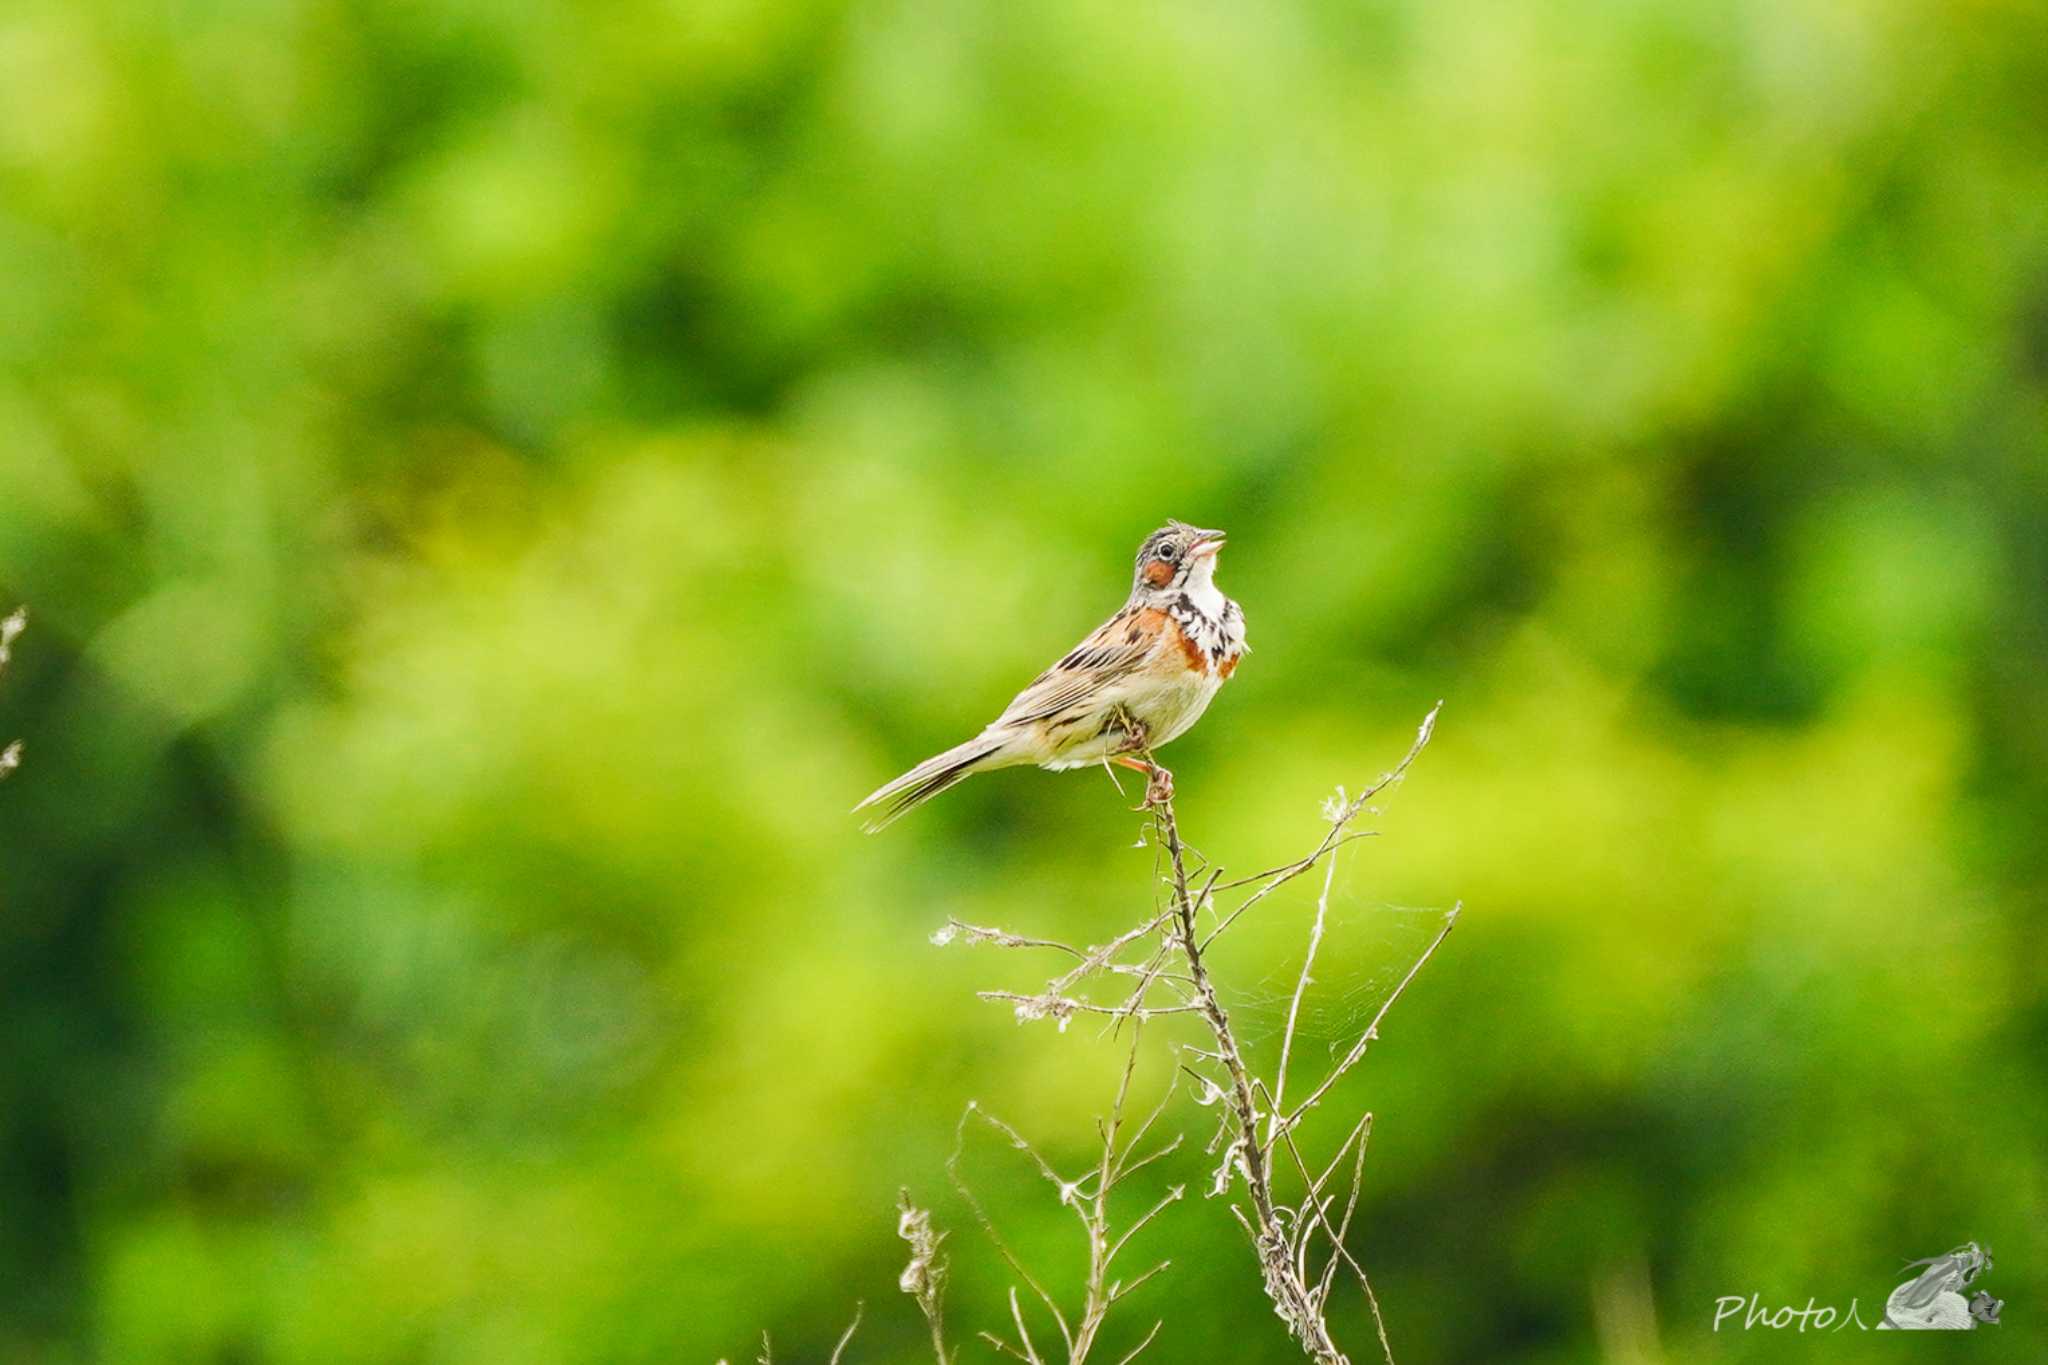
x: 1165, y: 709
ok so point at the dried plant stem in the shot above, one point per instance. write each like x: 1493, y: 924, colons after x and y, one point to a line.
x: 1088, y: 1196
x: 847, y: 1336
x: 10, y: 756
x: 924, y: 1279
x: 1291, y: 1298
x: 1308, y: 962
x: 1288, y: 1233
x: 1372, y: 1030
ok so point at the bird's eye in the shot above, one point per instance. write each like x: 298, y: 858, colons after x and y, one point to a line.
x: 1169, y: 553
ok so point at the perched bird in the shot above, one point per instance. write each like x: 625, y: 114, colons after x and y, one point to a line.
x: 1140, y: 679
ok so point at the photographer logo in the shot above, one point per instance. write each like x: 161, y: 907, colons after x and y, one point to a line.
x: 1933, y: 1300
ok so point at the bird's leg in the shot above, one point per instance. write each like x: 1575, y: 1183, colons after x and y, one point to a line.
x: 1158, y: 781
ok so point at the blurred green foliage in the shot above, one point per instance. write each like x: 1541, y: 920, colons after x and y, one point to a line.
x: 496, y: 483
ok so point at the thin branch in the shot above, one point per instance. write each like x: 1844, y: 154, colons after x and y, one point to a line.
x: 1308, y: 962
x: 1155, y: 969
x: 1022, y: 1144
x: 988, y: 1227
x: 1124, y: 1164
x: 1298, y: 866
x: 1088, y: 1197
x: 1023, y: 1332
x: 1317, y: 1213
x: 1005, y: 1347
x: 15, y: 624
x: 1166, y: 1201
x: 1124, y: 1289
x: 1360, y: 1131
x: 851, y: 1328
x: 1399, y: 770
x: 1365, y: 1283
x: 1146, y: 1160
x: 1365, y: 1039
x: 1095, y: 959
x: 1341, y: 813
x: 1061, y: 1007
x: 1139, y: 1349
x: 1291, y: 1299
x: 1001, y: 938
x: 1343, y: 1230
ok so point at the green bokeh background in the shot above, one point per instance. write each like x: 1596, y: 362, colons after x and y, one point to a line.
x: 494, y: 483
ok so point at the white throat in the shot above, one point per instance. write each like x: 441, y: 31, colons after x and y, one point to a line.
x: 1201, y: 588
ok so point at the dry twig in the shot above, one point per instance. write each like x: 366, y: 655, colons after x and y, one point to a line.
x: 1299, y: 1244
x: 1088, y: 1196
x: 1299, y: 1237
x: 924, y: 1279
x: 14, y: 625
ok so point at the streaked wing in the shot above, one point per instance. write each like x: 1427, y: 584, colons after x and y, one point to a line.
x: 1113, y: 650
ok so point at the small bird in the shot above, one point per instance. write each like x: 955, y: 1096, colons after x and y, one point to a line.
x: 1140, y: 679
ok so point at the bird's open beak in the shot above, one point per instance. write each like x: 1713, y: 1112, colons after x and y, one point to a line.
x: 1208, y: 542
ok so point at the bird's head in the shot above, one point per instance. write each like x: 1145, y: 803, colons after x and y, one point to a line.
x: 1176, y: 558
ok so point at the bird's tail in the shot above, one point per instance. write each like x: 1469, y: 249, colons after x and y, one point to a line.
x: 928, y: 779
